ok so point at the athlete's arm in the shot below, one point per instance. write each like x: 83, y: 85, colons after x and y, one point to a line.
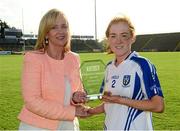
x: 96, y: 110
x: 155, y: 104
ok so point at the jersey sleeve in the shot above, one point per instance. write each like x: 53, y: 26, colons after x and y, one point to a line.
x: 149, y: 77
x: 151, y: 81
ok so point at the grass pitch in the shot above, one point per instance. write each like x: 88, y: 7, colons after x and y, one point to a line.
x: 168, y: 68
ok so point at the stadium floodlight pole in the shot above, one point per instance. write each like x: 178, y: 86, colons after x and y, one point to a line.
x: 95, y: 20
x: 24, y: 45
x: 22, y: 20
x: 1, y: 28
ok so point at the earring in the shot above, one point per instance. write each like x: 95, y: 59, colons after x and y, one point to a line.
x: 46, y: 41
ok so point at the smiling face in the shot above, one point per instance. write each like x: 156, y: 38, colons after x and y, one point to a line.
x: 120, y: 39
x: 54, y: 27
x: 59, y: 33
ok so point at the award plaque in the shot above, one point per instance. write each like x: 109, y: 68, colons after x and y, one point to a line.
x: 92, y: 73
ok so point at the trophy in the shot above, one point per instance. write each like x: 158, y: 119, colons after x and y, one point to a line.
x: 92, y: 73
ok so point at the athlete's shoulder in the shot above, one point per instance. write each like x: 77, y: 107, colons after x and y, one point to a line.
x: 143, y: 63
x: 140, y: 59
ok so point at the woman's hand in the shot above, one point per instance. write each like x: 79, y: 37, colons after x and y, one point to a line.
x: 79, y: 97
x: 82, y: 111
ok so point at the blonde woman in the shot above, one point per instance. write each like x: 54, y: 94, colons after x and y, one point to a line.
x: 50, y: 78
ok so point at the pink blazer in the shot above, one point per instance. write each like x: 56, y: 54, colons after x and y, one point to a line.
x: 43, y: 89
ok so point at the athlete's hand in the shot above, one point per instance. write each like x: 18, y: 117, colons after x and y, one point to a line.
x: 107, y: 93
x: 108, y: 97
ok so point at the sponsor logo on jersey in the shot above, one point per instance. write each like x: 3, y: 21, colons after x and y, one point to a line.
x: 126, y: 80
x: 115, y: 77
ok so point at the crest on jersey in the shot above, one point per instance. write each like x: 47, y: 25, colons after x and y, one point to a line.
x: 126, y: 80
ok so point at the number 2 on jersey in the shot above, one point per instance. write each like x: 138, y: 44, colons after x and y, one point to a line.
x: 113, y: 83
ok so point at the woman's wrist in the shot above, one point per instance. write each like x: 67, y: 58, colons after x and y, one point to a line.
x: 74, y: 103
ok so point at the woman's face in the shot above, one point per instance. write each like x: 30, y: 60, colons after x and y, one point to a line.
x: 120, y: 39
x: 59, y: 33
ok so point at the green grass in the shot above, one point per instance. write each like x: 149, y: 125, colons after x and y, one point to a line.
x: 10, y: 97
x: 168, y: 67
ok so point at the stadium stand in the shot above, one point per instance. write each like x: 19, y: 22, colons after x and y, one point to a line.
x: 7, y: 44
x: 79, y: 45
x: 157, y: 42
x: 12, y: 39
x: 141, y: 41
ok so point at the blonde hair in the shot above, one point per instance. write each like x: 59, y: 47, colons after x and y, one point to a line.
x: 46, y: 23
x: 115, y: 20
